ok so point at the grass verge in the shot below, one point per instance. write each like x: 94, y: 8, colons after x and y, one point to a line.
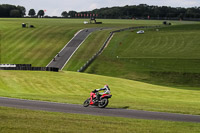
x: 18, y: 120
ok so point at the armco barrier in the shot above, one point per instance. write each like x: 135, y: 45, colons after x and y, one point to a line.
x: 86, y: 65
x: 27, y: 67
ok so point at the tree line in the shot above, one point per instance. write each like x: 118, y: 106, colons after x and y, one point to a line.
x: 32, y: 13
x: 12, y: 11
x: 7, y: 10
x: 143, y: 11
x: 140, y: 11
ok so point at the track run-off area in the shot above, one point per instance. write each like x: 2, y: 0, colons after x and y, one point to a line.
x: 79, y: 109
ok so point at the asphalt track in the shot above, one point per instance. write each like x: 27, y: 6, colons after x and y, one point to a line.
x: 65, y: 54
x: 79, y: 109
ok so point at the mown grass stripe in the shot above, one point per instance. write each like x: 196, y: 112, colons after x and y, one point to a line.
x: 17, y: 45
x: 9, y: 43
x: 20, y: 51
x: 40, y: 51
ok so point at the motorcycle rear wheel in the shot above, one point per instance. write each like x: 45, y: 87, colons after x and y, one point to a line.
x: 86, y: 103
x: 103, y: 103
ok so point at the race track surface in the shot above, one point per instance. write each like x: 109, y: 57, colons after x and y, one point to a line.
x: 79, y: 109
x: 65, y: 54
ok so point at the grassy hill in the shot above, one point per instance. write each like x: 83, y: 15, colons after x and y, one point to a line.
x: 96, y: 40
x: 37, y: 46
x: 169, y: 56
x: 73, y: 87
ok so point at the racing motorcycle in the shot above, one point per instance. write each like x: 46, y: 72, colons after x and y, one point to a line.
x: 101, y: 103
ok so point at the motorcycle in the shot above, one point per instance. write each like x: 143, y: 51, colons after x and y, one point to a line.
x: 101, y: 103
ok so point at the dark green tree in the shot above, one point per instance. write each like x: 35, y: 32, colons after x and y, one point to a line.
x: 40, y: 13
x: 22, y: 10
x: 15, y: 13
x: 31, y: 12
x: 72, y: 13
x: 6, y: 10
x: 64, y: 14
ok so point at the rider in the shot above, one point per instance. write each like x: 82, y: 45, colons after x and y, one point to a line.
x: 106, y: 91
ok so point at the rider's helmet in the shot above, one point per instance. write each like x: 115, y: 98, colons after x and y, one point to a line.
x: 106, y: 86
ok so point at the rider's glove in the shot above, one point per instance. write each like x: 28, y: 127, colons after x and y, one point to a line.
x: 94, y: 91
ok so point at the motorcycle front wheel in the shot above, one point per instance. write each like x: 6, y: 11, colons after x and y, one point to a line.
x: 103, y: 103
x: 86, y: 103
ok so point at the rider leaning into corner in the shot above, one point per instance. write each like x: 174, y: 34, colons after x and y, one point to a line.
x: 106, y: 90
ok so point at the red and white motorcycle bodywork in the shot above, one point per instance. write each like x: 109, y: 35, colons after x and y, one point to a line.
x: 101, y: 103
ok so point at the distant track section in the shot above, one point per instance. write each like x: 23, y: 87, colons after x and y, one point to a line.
x: 86, y: 65
x: 61, y: 59
x: 79, y: 109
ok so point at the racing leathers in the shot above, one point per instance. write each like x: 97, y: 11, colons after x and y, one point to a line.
x: 106, y: 90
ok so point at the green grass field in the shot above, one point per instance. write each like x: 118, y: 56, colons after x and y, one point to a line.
x: 169, y: 56
x: 23, y: 121
x: 73, y: 87
x: 37, y: 46
x: 96, y: 40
